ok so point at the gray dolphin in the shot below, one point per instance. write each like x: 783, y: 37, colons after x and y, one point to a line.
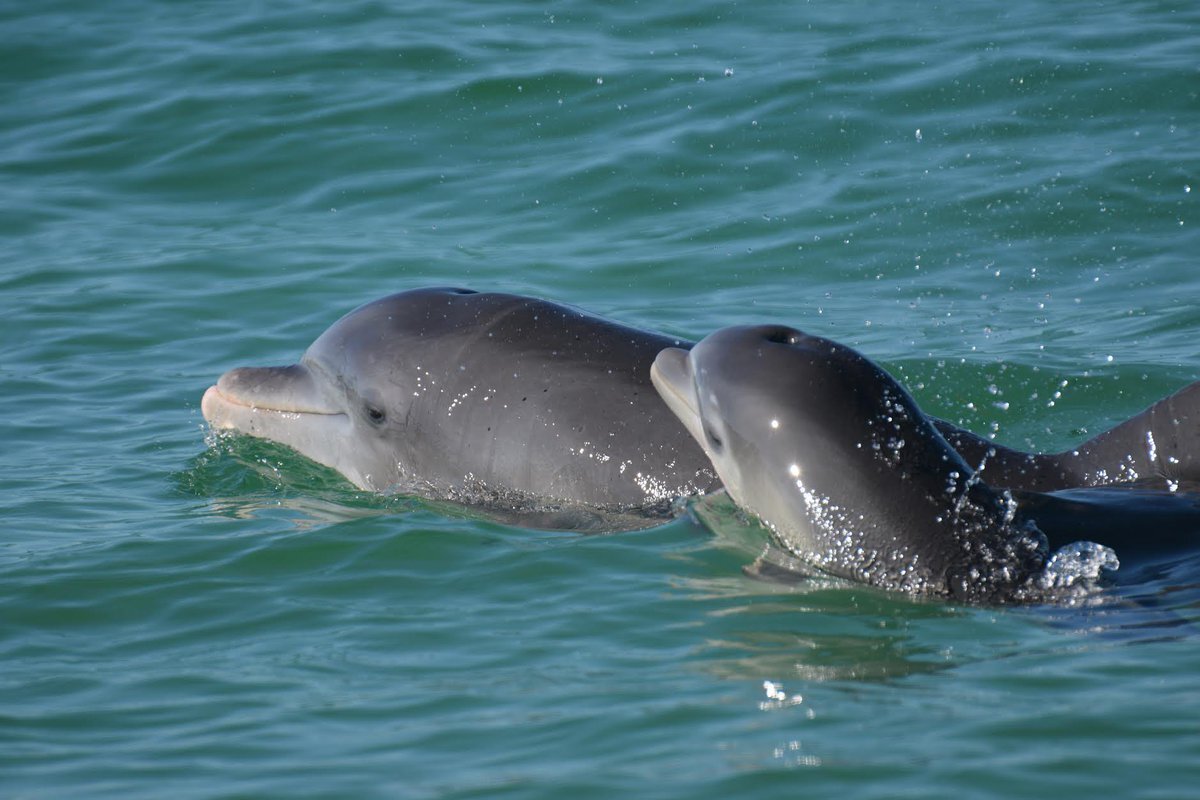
x: 837, y: 459
x: 477, y: 397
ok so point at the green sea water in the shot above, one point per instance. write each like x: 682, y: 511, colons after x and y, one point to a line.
x: 998, y: 201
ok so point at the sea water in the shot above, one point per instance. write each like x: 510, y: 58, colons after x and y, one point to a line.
x: 996, y: 200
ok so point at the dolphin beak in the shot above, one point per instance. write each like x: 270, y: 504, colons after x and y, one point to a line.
x: 245, y: 392
x: 671, y: 375
x: 289, y: 405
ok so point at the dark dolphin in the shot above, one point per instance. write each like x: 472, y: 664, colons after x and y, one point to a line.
x: 835, y: 456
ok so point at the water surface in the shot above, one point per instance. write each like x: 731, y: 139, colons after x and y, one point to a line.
x: 996, y: 201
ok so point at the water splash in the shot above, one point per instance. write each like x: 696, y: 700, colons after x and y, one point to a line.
x: 1078, y: 566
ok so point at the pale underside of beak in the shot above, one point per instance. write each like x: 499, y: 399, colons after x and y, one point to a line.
x: 671, y: 375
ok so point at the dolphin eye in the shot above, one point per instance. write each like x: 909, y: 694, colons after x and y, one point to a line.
x: 376, y: 415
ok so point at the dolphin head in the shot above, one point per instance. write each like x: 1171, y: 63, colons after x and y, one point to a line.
x: 836, y: 458
x: 781, y: 414
x: 345, y: 403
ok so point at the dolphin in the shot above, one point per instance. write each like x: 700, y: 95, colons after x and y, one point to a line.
x: 836, y: 458
x: 482, y: 398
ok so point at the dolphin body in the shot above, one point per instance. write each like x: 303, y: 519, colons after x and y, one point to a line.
x: 485, y: 398
x: 837, y: 459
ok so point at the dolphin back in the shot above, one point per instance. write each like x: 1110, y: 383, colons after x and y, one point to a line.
x: 1158, y: 447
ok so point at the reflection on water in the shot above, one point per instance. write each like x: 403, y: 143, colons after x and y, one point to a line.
x: 768, y: 616
x: 775, y: 619
x: 245, y: 478
x: 780, y: 619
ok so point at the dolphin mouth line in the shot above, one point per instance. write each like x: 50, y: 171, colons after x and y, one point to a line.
x: 214, y: 394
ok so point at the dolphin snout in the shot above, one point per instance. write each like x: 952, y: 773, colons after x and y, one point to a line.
x: 212, y: 406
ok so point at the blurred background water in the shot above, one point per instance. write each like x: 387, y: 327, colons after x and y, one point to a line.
x: 996, y: 200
